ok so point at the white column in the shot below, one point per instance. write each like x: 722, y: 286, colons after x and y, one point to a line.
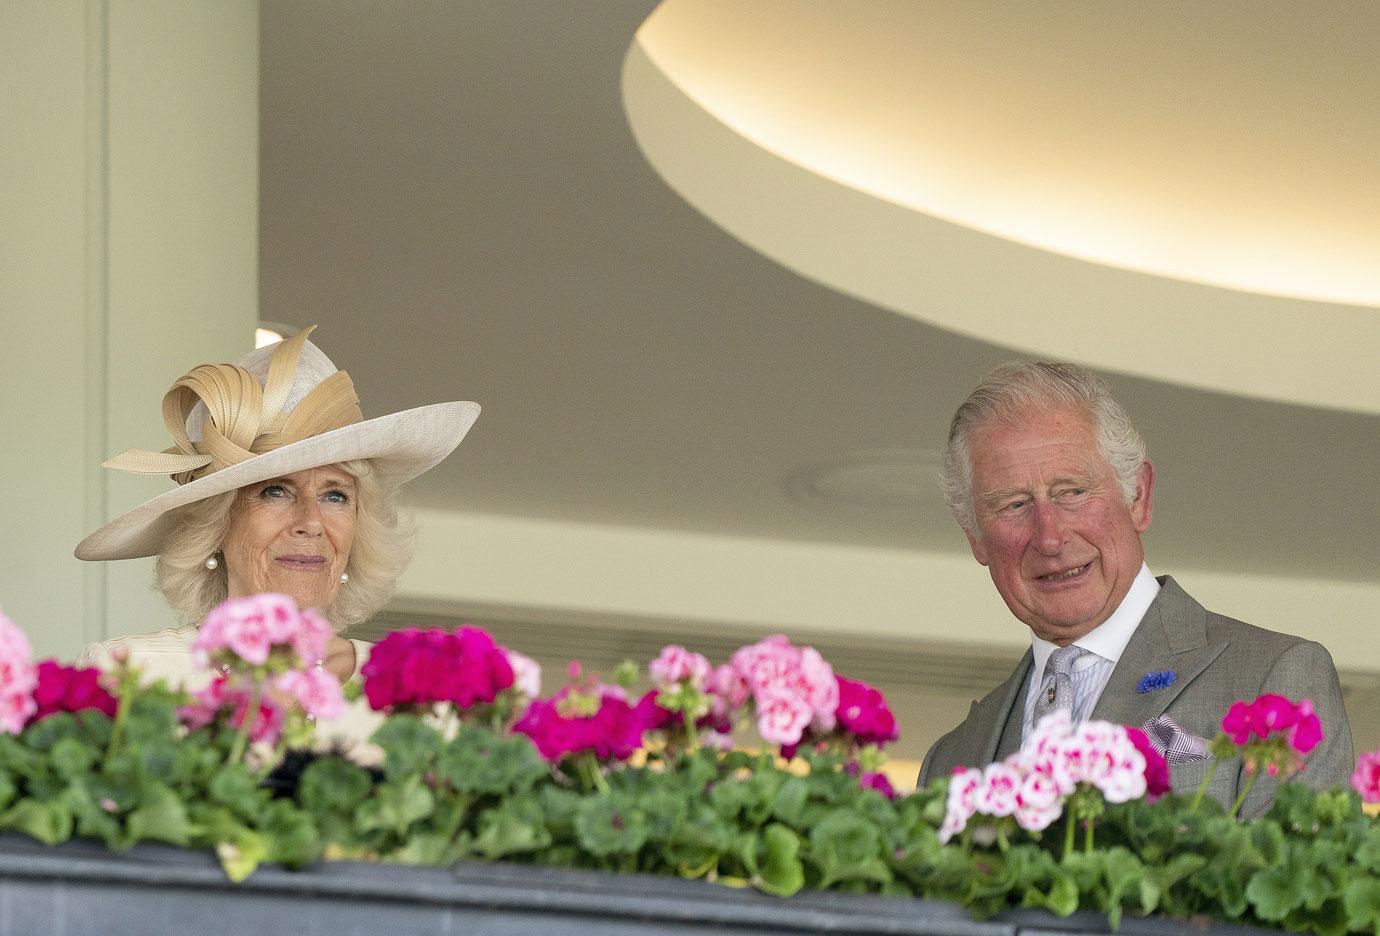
x: 128, y: 254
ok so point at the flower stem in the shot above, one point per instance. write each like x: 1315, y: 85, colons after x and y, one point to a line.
x: 1202, y: 787
x: 126, y: 688
x: 251, y: 715
x: 1071, y: 817
x: 692, y: 736
x: 1088, y: 834
x: 1250, y: 782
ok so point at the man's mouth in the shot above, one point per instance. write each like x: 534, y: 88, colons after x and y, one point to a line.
x: 1054, y: 578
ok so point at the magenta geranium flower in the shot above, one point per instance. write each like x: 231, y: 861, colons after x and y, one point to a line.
x: 864, y: 714
x: 1156, y: 767
x: 573, y: 721
x: 419, y: 667
x: 69, y: 689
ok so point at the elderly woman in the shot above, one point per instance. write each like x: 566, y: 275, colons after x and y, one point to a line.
x: 283, y: 487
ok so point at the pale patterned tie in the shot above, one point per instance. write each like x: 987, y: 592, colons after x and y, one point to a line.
x: 1057, y: 691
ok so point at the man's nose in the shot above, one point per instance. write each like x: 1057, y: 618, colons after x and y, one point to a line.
x: 1049, y: 534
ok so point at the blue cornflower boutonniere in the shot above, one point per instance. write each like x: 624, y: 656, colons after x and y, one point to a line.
x: 1152, y: 681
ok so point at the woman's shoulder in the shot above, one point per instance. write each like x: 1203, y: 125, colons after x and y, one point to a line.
x: 167, y: 652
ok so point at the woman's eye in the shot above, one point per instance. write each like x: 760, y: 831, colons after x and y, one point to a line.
x: 338, y: 497
x: 273, y: 491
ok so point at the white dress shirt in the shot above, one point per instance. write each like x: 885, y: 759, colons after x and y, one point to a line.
x: 1104, y: 645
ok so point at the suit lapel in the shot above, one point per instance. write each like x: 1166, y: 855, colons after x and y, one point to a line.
x: 1172, y: 637
x: 987, y: 721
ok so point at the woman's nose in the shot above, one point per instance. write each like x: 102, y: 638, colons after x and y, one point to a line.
x: 307, y: 521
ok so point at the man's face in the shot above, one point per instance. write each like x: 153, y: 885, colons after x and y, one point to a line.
x: 1052, y: 528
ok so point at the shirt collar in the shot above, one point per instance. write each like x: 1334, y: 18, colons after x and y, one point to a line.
x: 1109, y: 639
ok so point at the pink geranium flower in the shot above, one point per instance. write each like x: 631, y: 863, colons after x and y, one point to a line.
x: 1366, y: 779
x: 676, y: 664
x: 18, y: 677
x: 317, y: 691
x: 247, y: 630
x: 785, y: 681
x: 229, y: 694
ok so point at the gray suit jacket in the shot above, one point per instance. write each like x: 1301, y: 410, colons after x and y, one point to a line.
x: 1218, y: 661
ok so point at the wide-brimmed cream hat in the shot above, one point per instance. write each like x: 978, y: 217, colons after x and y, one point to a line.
x: 278, y: 409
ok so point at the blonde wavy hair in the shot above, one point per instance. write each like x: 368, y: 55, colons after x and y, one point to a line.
x: 381, y: 551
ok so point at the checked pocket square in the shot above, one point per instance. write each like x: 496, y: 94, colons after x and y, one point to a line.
x: 1175, y: 745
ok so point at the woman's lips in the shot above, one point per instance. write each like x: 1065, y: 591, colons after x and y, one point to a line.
x: 302, y: 563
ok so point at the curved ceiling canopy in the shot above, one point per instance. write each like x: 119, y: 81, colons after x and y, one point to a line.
x: 1186, y: 192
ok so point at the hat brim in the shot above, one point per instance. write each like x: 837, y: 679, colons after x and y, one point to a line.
x: 400, y: 446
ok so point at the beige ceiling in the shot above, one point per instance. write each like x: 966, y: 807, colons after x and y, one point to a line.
x: 453, y: 191
x: 1066, y: 150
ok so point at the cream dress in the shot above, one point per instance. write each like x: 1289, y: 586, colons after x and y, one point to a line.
x: 167, y: 655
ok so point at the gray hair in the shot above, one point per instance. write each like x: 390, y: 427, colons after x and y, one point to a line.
x: 1039, y: 385
x: 381, y: 551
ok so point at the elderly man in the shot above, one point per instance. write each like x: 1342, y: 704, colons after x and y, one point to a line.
x: 1052, y: 487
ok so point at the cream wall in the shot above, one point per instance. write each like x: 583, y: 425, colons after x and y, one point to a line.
x: 128, y: 254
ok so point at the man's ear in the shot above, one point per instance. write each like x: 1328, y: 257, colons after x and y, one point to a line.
x: 1144, y: 505
x: 975, y: 544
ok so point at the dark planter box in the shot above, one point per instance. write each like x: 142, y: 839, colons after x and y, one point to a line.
x: 79, y: 888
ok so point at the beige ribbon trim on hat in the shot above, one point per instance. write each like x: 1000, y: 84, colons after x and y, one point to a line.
x: 244, y: 419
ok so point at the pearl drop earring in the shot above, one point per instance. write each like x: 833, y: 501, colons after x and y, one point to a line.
x: 211, y: 563
x: 344, y: 577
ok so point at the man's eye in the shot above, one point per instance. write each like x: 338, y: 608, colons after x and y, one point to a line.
x: 1011, y: 506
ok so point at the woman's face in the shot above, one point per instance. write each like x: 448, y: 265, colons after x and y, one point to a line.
x: 292, y: 535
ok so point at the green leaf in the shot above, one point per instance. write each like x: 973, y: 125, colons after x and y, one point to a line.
x: 1122, y: 871
x: 71, y: 757
x: 697, y: 843
x: 1274, y: 893
x: 477, y: 761
x: 665, y: 812
x: 410, y: 745
x: 1368, y: 854
x: 49, y: 821
x: 789, y: 805
x: 234, y: 786
x: 395, y: 806
x: 847, y: 847
x: 779, y: 870
x: 1362, y: 902
x: 290, y: 834
x: 160, y: 816
x: 609, y: 824
x: 333, y: 785
x: 242, y: 852
x: 515, y: 827
x: 1062, y: 897
x: 8, y: 790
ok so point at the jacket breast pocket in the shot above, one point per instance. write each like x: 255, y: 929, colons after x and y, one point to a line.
x: 1185, y: 779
